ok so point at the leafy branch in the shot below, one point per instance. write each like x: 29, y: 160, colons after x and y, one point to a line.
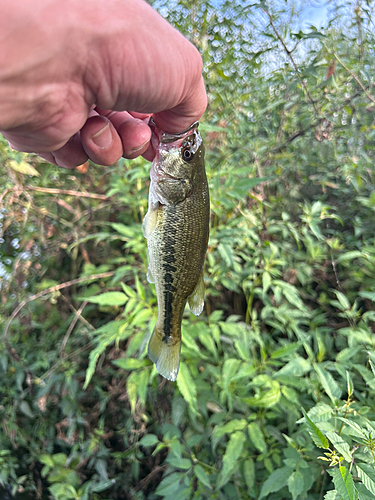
x: 11, y: 350
x: 369, y: 96
x: 290, y: 55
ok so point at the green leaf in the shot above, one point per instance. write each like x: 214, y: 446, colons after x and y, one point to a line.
x: 320, y: 413
x: 26, y: 410
x: 142, y: 317
x: 149, y: 440
x: 285, y: 350
x: 128, y: 291
x: 131, y: 363
x: 345, y: 304
x: 350, y: 256
x: 277, y: 480
x: 318, y: 437
x: 107, y: 334
x: 63, y: 491
x: 187, y: 387
x: 122, y: 229
x: 180, y: 463
x: 59, y: 459
x: 340, y: 445
x: 314, y: 34
x: 143, y: 380
x: 343, y: 481
x: 226, y: 253
x: 208, y: 342
x: 131, y: 389
x: 367, y: 295
x: 329, y: 384
x: 267, y: 398
x: 46, y: 459
x: 231, y: 455
x: 256, y: 437
x: 295, y: 484
x: 207, y: 127
x: 331, y: 495
x: 101, y: 485
x: 228, y: 428
x: 101, y: 469
x: 366, y: 474
x: 140, y: 289
x: 107, y: 299
x: 291, y: 293
x: 170, y: 484
x: 229, y: 370
x: 23, y: 167
x: 297, y: 367
x: 349, y: 384
x: 355, y: 429
x: 249, y: 474
x: 201, y: 475
x: 363, y: 492
x: 266, y: 281
x: 183, y: 493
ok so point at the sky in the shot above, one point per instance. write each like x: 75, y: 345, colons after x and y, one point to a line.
x: 317, y: 14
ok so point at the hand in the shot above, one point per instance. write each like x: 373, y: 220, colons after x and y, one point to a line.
x: 79, y: 80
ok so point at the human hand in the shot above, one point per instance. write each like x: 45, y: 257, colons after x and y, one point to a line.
x: 80, y: 79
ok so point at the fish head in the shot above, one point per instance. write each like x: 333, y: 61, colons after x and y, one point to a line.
x: 177, y: 156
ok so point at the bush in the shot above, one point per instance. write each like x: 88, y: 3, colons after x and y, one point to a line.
x: 276, y: 392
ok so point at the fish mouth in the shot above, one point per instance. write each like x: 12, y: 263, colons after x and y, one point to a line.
x: 167, y: 137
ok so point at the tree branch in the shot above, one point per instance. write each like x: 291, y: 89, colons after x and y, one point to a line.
x: 355, y: 77
x: 302, y: 132
x: 12, y: 352
x: 71, y: 326
x: 70, y: 192
x: 289, y: 54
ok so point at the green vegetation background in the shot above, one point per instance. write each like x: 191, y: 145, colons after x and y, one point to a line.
x: 276, y: 393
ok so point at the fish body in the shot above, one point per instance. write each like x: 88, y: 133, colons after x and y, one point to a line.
x: 176, y: 227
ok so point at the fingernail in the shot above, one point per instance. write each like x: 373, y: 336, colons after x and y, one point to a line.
x: 138, y: 148
x: 103, y: 138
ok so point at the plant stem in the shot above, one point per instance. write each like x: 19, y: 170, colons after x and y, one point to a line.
x: 12, y: 352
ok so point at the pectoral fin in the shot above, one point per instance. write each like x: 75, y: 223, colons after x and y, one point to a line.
x: 165, y: 353
x: 196, y: 299
x: 150, y: 278
x: 149, y: 222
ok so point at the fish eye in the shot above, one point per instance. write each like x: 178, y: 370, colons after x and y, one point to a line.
x: 187, y: 155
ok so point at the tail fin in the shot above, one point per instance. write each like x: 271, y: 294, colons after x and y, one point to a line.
x: 165, y: 353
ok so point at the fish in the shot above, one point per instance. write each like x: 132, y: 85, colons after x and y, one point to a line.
x: 176, y: 227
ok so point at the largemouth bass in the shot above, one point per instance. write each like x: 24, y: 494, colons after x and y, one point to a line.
x: 176, y: 228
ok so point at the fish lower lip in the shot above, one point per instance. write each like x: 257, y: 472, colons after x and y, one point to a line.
x: 167, y: 137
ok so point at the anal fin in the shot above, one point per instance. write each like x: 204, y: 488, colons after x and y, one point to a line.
x: 165, y: 353
x: 196, y: 299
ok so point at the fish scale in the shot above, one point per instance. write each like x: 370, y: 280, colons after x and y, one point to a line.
x: 176, y: 227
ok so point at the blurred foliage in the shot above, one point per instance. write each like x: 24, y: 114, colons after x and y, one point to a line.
x: 276, y: 393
